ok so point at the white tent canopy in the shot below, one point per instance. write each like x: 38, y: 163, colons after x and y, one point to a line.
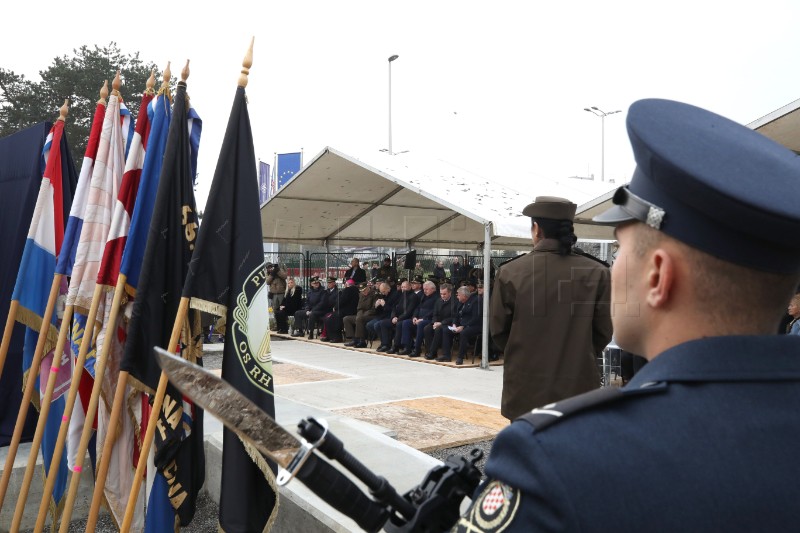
x: 402, y: 200
x: 407, y: 201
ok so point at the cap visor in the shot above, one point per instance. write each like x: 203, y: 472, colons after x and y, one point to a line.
x: 615, y: 215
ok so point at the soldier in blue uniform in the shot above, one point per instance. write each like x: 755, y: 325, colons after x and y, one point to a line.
x: 704, y: 437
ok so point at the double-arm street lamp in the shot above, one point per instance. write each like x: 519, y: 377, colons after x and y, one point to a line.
x: 594, y: 111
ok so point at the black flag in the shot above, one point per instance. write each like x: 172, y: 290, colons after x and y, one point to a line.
x: 179, y: 454
x: 227, y: 277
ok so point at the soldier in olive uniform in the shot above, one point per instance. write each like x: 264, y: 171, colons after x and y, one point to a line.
x: 549, y: 314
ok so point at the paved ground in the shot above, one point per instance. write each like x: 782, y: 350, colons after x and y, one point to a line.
x: 440, y: 409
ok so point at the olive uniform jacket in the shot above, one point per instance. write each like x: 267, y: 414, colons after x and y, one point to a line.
x: 550, y: 314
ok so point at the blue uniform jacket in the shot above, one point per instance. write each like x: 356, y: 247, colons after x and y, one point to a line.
x: 703, y: 438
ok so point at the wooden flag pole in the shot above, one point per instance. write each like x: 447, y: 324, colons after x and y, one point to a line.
x: 105, y: 458
x: 99, y: 373
x: 86, y: 342
x: 30, y: 384
x: 12, y: 317
x: 101, y: 472
x: 44, y: 410
x: 175, y: 337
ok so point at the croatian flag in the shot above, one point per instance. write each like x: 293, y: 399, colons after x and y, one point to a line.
x: 35, y: 276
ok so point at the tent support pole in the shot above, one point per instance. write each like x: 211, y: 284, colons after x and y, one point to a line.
x: 487, y: 257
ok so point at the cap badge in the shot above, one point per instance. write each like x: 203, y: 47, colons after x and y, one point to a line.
x: 655, y: 216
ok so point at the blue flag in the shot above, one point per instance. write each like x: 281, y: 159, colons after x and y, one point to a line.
x: 288, y: 166
x: 160, y: 114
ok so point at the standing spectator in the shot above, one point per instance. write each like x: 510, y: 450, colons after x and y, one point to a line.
x: 276, y: 279
x: 387, y: 271
x: 374, y: 272
x: 550, y: 314
x: 457, y: 272
x: 291, y: 303
x: 355, y: 272
x: 419, y: 272
x: 438, y: 272
x: 467, y: 325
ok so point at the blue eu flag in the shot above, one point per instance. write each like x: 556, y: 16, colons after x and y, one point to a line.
x: 288, y: 166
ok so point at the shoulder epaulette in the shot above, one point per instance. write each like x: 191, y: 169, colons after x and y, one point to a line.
x: 578, y: 251
x: 512, y: 259
x: 542, y: 417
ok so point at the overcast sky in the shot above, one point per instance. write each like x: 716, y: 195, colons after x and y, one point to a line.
x: 498, y: 88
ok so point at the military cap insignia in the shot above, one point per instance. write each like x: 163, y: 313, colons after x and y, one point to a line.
x: 492, y: 511
x: 655, y: 216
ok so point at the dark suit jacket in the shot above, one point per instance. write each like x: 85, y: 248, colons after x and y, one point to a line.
x: 469, y: 315
x: 405, y: 305
x: 445, y: 312
x: 426, y: 305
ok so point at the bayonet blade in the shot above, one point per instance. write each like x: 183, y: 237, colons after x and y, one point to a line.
x: 232, y: 408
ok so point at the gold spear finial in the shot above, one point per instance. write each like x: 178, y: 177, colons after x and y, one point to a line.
x: 103, y: 93
x: 185, y: 72
x: 247, y: 62
x: 165, y: 81
x: 151, y: 82
x: 116, y: 84
x: 64, y: 110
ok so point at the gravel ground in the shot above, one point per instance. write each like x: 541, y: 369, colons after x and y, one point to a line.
x: 205, y: 519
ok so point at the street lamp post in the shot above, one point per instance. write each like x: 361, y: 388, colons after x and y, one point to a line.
x: 602, y: 114
x: 391, y: 58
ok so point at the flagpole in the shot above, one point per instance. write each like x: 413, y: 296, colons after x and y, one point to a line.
x: 86, y: 342
x: 99, y: 373
x: 12, y: 317
x: 33, y: 374
x: 44, y: 410
x: 108, y: 447
x: 158, y: 401
x: 119, y: 396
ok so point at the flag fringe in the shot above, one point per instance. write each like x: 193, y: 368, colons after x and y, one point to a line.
x: 34, y: 321
x: 208, y: 307
x: 262, y: 465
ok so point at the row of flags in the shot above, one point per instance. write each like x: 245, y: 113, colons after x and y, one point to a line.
x: 130, y: 215
x: 272, y: 179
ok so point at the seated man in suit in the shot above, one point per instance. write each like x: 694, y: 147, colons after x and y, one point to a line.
x: 416, y: 324
x: 444, y: 313
x: 467, y: 326
x: 390, y: 327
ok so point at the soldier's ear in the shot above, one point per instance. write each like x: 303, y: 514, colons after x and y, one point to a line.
x: 659, y: 277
